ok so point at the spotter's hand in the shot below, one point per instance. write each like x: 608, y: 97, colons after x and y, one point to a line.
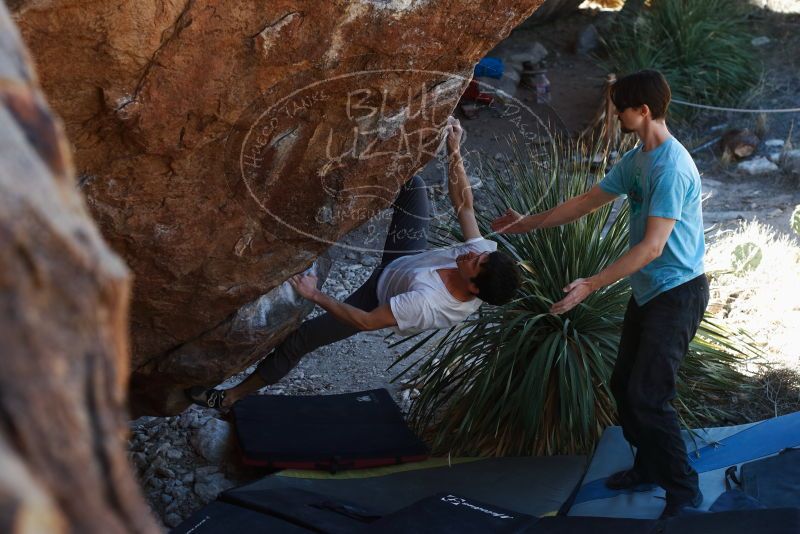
x: 576, y: 292
x: 510, y: 222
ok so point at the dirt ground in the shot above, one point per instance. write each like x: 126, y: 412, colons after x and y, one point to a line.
x: 362, y: 362
x: 734, y: 196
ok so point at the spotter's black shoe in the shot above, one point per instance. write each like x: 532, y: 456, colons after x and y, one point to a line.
x: 676, y: 508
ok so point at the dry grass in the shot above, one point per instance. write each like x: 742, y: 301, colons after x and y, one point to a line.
x: 755, y: 274
x: 777, y: 393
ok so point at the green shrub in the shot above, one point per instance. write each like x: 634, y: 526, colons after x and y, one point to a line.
x: 701, y: 46
x: 795, y: 221
x: 517, y: 380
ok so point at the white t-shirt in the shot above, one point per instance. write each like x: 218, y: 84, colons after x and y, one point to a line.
x: 416, y: 293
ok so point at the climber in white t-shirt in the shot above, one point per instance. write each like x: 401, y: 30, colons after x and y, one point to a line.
x: 413, y: 289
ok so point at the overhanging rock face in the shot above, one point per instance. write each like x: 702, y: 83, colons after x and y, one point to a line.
x: 223, y: 146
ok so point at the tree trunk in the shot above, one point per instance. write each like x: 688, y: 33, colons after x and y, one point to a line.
x: 739, y: 144
x: 553, y: 9
x: 633, y: 7
x: 63, y: 331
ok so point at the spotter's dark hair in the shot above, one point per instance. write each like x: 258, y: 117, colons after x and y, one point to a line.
x: 640, y: 88
x: 498, y: 279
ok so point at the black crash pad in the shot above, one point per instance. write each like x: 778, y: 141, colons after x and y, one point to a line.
x: 593, y: 525
x: 314, y: 511
x: 288, y: 510
x: 331, y: 432
x: 534, y: 485
x: 447, y: 513
x: 219, y: 517
x: 771, y: 521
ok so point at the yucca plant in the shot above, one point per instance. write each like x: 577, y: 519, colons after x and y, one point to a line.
x: 517, y: 380
x: 701, y: 46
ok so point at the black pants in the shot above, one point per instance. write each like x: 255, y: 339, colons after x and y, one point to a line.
x: 407, y: 234
x: 655, y: 338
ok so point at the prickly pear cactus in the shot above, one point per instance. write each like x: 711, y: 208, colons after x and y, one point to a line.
x: 746, y: 257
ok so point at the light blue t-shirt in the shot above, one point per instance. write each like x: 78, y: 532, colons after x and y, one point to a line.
x: 662, y: 183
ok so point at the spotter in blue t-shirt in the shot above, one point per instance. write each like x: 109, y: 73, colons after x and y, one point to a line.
x: 663, y: 182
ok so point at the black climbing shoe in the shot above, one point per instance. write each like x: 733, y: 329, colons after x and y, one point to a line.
x: 207, y: 398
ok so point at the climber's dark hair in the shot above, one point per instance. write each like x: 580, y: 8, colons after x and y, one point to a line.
x: 498, y: 279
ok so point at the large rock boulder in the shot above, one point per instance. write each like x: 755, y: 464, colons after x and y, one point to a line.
x: 223, y: 147
x: 63, y: 331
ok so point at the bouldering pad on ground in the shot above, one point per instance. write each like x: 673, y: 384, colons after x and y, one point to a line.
x: 535, y: 486
x: 331, y: 432
x: 711, y: 452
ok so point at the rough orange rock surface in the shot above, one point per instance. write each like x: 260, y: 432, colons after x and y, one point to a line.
x: 63, y: 331
x: 223, y: 146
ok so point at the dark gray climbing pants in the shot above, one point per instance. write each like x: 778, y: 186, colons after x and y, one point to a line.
x: 655, y: 338
x: 408, y: 234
